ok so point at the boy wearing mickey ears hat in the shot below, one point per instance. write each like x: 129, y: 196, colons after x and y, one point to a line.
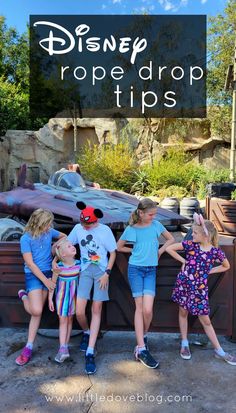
x: 95, y: 241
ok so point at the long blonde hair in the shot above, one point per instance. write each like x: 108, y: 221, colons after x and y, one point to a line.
x: 212, y: 231
x: 38, y: 222
x: 144, y: 205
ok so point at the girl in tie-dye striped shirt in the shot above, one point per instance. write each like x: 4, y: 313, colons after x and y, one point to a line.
x: 66, y: 287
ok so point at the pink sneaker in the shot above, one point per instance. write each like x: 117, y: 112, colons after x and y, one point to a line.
x: 24, y: 357
x: 22, y: 294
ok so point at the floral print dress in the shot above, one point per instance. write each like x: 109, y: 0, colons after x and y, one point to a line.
x: 191, y: 289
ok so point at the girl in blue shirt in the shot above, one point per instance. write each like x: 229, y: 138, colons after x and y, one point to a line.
x: 143, y: 232
x: 36, y: 249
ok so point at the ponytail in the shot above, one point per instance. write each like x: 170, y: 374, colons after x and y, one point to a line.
x: 144, y: 205
x: 134, y: 217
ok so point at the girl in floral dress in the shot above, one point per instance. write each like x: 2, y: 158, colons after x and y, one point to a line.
x: 191, y: 289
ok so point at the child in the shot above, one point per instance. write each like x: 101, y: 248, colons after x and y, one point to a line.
x: 36, y: 250
x: 143, y: 232
x: 191, y: 290
x: 95, y: 241
x: 66, y: 289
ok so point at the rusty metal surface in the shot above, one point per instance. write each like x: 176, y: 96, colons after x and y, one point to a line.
x: 116, y: 206
x: 223, y: 214
x: 118, y: 313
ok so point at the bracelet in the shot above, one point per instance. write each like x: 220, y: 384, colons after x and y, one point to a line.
x: 108, y: 271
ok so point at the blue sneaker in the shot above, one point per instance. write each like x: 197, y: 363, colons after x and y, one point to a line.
x: 146, y: 358
x: 145, y: 339
x: 90, y: 366
x: 84, y: 342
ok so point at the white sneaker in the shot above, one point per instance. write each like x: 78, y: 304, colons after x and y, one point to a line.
x: 185, y: 353
x: 61, y: 356
x: 228, y: 358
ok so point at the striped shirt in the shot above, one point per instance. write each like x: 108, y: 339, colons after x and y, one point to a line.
x: 69, y: 272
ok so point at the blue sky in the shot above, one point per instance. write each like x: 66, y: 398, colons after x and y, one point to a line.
x: 17, y: 12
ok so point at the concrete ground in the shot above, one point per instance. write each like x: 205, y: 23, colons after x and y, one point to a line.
x: 200, y: 385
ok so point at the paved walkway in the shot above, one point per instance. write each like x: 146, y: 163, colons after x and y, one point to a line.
x: 200, y: 385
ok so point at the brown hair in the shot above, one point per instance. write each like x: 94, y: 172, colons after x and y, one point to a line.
x: 212, y: 231
x: 144, y: 205
x: 38, y: 222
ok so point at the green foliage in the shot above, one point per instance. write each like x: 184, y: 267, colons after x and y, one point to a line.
x: 111, y: 166
x: 14, y: 80
x: 114, y: 167
x: 233, y: 195
x: 207, y: 176
x: 173, y: 190
x: 142, y: 182
x: 221, y: 39
x: 174, y: 169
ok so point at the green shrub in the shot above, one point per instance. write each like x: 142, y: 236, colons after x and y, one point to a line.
x: 208, y: 176
x: 112, y: 166
x: 142, y: 182
x: 233, y: 195
x: 176, y: 191
x: 115, y: 167
x: 175, y: 169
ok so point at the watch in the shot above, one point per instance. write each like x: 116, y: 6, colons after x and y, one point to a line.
x: 108, y: 271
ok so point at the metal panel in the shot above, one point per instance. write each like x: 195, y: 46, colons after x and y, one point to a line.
x: 223, y: 214
x: 119, y: 312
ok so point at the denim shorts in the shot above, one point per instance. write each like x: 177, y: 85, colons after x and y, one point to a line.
x: 142, y: 280
x: 88, y: 278
x: 34, y: 283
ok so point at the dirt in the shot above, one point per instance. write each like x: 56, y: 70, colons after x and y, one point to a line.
x: 200, y: 385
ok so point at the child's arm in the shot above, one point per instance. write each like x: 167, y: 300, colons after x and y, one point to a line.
x: 169, y: 240
x: 60, y: 236
x: 225, y: 266
x: 50, y: 295
x: 37, y: 272
x: 105, y: 277
x: 121, y: 246
x: 172, y: 251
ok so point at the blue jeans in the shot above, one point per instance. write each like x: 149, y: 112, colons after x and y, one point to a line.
x: 142, y: 280
x: 34, y: 283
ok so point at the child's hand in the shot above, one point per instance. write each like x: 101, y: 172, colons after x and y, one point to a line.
x: 51, y: 304
x: 104, y: 281
x: 50, y: 284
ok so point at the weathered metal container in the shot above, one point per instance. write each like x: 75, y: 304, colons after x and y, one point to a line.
x: 118, y: 313
x: 172, y: 204
x: 188, y: 206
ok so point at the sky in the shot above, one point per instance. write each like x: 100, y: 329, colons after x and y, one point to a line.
x: 17, y: 12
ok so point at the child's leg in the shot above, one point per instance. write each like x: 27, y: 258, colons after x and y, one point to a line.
x: 138, y: 321
x: 80, y: 313
x: 83, y: 295
x: 209, y: 330
x: 36, y: 300
x: 183, y: 322
x: 63, y: 327
x: 69, y: 328
x: 148, y: 301
x: 95, y: 322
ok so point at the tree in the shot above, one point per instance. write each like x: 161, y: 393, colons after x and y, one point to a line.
x: 221, y: 38
x: 14, y: 80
